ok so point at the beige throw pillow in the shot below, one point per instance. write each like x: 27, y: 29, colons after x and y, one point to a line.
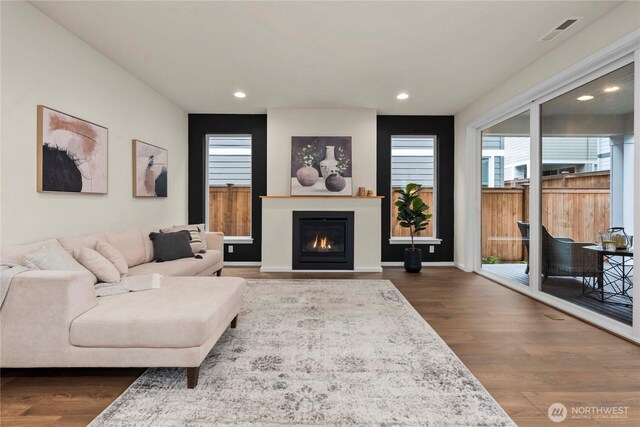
x: 114, y: 256
x: 98, y: 265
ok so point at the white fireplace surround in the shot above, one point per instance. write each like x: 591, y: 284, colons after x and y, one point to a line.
x: 277, y: 213
x: 277, y: 231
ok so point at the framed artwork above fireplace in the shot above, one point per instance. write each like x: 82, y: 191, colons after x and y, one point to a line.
x: 321, y: 166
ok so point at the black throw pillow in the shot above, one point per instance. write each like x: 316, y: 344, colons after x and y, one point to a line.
x: 170, y: 246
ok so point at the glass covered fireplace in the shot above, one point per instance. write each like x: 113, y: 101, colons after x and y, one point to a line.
x: 322, y: 240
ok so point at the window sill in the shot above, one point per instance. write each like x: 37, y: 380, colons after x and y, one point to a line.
x: 239, y: 240
x: 417, y: 241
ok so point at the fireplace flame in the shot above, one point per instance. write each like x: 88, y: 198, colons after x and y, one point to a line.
x: 321, y: 242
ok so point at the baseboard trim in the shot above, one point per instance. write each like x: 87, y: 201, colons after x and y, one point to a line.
x: 242, y: 263
x: 460, y: 266
x: 291, y: 270
x: 355, y: 270
x: 424, y: 264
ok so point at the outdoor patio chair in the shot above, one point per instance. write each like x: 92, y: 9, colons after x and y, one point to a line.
x: 561, y: 256
x: 524, y: 231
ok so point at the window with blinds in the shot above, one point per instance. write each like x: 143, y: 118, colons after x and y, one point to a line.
x: 229, y: 177
x: 413, y: 160
x: 230, y: 160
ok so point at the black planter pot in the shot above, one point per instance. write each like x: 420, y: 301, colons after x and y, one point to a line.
x: 413, y: 260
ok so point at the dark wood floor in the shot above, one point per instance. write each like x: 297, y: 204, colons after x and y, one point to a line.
x: 523, y: 358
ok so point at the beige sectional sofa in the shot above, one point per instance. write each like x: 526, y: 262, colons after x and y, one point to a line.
x: 54, y: 319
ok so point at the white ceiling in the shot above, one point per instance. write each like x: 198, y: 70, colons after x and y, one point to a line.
x: 603, y: 103
x: 322, y: 54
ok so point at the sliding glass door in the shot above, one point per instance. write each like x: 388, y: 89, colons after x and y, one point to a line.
x: 557, y: 182
x: 505, y: 198
x: 587, y: 195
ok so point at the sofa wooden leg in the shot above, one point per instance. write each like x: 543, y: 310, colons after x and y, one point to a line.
x: 218, y: 273
x: 234, y: 322
x: 192, y: 377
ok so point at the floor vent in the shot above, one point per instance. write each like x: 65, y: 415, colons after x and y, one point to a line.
x: 554, y: 317
x: 559, y: 29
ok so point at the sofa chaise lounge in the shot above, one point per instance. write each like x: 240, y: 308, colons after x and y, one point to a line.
x: 54, y: 319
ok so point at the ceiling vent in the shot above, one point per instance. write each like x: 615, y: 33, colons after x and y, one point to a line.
x: 559, y: 29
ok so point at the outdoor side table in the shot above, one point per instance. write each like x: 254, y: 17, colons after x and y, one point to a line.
x: 613, y: 280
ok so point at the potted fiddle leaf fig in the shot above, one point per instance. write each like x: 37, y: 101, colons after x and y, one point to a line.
x: 412, y: 214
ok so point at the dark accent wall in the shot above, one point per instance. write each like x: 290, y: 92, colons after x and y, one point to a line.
x: 442, y: 127
x: 255, y: 125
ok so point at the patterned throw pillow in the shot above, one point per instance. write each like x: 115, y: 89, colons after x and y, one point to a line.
x: 204, y: 240
x: 54, y: 257
x: 197, y: 242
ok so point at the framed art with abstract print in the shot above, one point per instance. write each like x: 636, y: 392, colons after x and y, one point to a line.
x: 73, y: 154
x: 150, y: 167
x: 321, y: 166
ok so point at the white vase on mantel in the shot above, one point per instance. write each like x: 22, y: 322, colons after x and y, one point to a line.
x: 329, y: 164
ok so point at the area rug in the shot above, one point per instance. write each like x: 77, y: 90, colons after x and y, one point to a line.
x: 317, y: 352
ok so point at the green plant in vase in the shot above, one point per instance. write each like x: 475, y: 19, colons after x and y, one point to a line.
x: 308, y: 156
x: 412, y: 214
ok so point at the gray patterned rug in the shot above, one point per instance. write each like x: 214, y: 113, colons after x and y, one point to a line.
x: 317, y: 352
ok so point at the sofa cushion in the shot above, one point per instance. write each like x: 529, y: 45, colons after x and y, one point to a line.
x: 75, y: 243
x: 53, y: 257
x: 184, y: 312
x: 100, y: 266
x: 17, y: 253
x: 171, y: 246
x: 114, y: 256
x: 178, y: 267
x: 202, y: 231
x: 131, y: 244
x: 196, y: 238
x: 148, y: 244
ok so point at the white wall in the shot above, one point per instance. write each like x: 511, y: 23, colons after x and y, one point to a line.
x: 42, y: 63
x: 613, y: 26
x: 282, y: 124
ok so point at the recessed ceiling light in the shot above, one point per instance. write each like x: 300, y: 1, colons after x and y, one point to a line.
x: 585, y: 97
x: 402, y: 95
x: 612, y: 89
x: 240, y: 95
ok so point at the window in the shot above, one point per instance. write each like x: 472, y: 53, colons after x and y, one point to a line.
x: 485, y: 171
x: 229, y: 179
x: 520, y: 172
x: 413, y: 159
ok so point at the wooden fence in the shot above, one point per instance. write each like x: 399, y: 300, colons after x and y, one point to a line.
x: 501, y: 208
x: 230, y: 210
x: 573, y: 205
x: 396, y: 230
